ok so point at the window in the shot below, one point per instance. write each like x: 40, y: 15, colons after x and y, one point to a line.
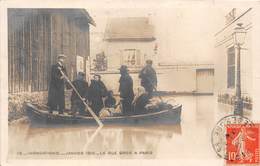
x: 231, y: 59
x: 131, y: 57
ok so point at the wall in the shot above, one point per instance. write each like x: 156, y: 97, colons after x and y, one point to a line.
x: 205, y: 81
x: 179, y: 80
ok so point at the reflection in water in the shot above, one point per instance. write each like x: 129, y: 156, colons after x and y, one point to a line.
x: 80, y: 138
x: 93, y: 136
x: 190, y: 139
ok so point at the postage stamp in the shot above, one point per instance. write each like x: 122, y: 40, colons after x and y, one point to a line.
x: 220, y: 133
x: 242, y: 143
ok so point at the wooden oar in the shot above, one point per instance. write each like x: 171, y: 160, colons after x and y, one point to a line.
x: 88, y: 108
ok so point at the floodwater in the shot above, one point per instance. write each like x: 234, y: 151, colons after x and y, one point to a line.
x: 190, y: 139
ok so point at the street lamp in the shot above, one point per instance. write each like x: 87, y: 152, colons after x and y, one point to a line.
x: 239, y: 39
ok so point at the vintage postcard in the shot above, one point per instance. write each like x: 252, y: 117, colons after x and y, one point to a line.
x: 97, y: 83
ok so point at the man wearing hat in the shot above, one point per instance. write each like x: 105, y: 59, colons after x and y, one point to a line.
x: 82, y: 87
x: 148, y: 77
x: 126, y: 90
x: 56, y: 97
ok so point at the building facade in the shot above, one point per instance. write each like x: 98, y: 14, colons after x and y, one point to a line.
x: 129, y: 41
x: 226, y: 59
x: 36, y: 37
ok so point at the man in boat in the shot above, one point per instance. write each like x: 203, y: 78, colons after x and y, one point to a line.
x: 140, y: 101
x: 126, y: 90
x: 81, y: 86
x: 110, y: 101
x: 148, y: 77
x: 56, y: 97
x: 97, y: 91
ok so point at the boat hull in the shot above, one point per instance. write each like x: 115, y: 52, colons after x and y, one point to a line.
x: 39, y: 114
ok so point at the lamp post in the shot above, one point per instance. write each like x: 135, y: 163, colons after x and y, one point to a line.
x: 239, y: 39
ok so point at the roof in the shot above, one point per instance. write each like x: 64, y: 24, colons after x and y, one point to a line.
x: 129, y: 29
x: 75, y: 13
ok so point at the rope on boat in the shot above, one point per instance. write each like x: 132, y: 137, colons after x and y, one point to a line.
x: 88, y: 108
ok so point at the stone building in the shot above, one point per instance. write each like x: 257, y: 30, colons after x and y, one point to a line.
x: 129, y: 41
x: 226, y: 58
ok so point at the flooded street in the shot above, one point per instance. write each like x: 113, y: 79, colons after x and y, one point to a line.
x: 199, y: 115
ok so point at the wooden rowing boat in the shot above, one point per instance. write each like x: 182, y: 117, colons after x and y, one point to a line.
x: 167, y: 114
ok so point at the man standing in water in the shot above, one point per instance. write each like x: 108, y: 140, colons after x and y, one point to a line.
x: 126, y: 90
x: 56, y: 97
x: 148, y: 77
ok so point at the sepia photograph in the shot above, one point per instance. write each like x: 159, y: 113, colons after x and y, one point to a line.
x: 171, y: 83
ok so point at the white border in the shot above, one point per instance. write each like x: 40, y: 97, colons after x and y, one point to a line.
x: 107, y: 4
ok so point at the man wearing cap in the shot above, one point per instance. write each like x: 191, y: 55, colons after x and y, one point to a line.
x: 126, y: 90
x: 56, y: 97
x: 148, y: 77
x: 82, y: 87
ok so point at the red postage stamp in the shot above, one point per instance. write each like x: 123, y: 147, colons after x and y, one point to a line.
x: 242, y: 143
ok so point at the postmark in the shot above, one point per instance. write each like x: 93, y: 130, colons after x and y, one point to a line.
x: 219, y: 133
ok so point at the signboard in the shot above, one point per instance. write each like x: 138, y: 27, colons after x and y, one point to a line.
x: 80, y: 64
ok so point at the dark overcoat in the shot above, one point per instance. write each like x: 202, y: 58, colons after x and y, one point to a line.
x: 56, y: 97
x: 97, y: 90
x: 82, y: 87
x: 148, y: 78
x: 141, y: 102
x: 126, y: 92
x: 110, y: 102
x: 77, y: 104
